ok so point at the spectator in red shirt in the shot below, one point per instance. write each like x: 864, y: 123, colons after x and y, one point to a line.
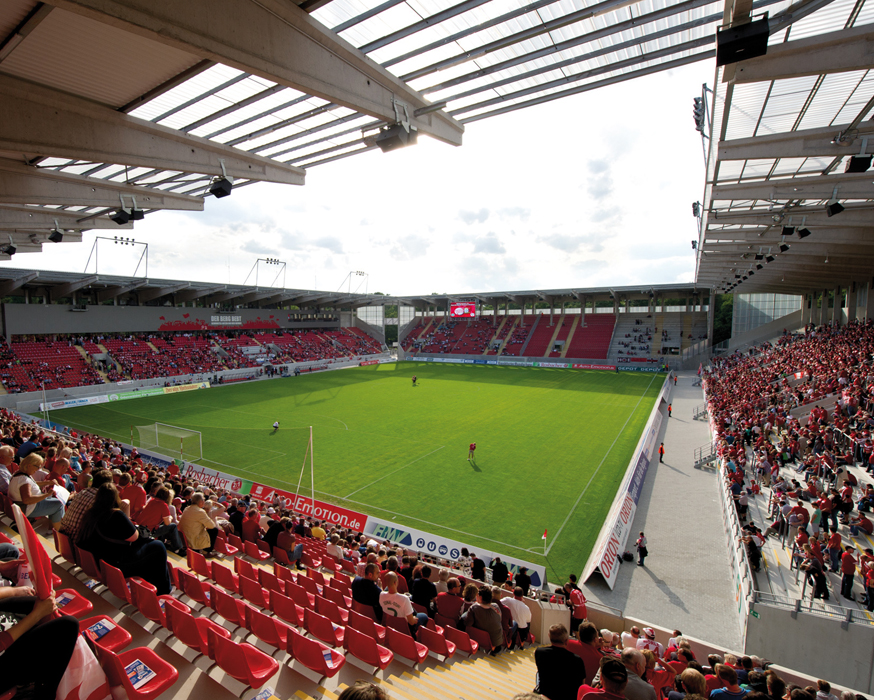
x: 450, y: 603
x: 156, y: 516
x: 252, y: 531
x: 134, y: 493
x: 848, y: 571
x: 860, y: 522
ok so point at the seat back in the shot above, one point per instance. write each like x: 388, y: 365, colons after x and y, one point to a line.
x: 322, y: 628
x: 361, y: 646
x: 264, y: 547
x: 435, y: 641
x: 308, y: 584
x: 364, y: 624
x: 336, y: 597
x: 251, y: 549
x: 235, y: 541
x: 236, y: 660
x: 298, y: 594
x: 444, y: 621
x: 194, y: 588
x: 184, y: 628
x: 331, y: 610
x: 198, y: 564
x: 481, y: 637
x: 317, y: 576
x: 460, y: 639
x: 283, y: 573
x: 252, y: 591
x: 362, y: 609
x: 89, y: 563
x: 116, y: 582
x: 316, y: 656
x: 233, y: 610
x: 268, y: 629
x: 224, y: 577
x: 404, y: 645
x: 286, y: 609
x: 398, y: 623
x: 64, y: 546
x: 147, y: 603
x: 280, y: 555
x: 309, y: 561
x: 244, y: 568
x: 270, y: 581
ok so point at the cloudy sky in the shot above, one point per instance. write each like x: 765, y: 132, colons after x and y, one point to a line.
x: 591, y: 190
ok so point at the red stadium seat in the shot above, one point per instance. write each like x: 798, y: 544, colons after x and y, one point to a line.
x: 436, y: 643
x: 117, y: 638
x: 268, y: 629
x: 242, y: 661
x: 251, y: 550
x: 404, y: 645
x: 253, y: 592
x: 336, y: 614
x: 198, y: 564
x: 286, y: 609
x: 114, y: 666
x: 366, y: 625
x: 336, y: 597
x: 364, y: 647
x: 322, y: 628
x: 230, y: 608
x: 225, y: 578
x: 315, y: 655
x: 193, y: 631
x: 461, y: 640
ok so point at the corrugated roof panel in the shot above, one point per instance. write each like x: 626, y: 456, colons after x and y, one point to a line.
x: 383, y: 24
x: 857, y: 101
x: 94, y: 60
x: 866, y: 14
x: 830, y: 18
x: 746, y: 106
x: 265, y: 104
x: 788, y: 166
x: 200, y: 109
x: 831, y: 97
x: 13, y: 13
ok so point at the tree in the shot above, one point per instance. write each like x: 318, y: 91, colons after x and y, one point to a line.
x: 722, y: 317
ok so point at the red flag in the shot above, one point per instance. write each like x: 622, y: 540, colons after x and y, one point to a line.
x: 544, y: 535
x: 40, y: 564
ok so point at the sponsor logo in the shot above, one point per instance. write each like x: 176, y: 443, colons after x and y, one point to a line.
x: 368, y: 362
x: 612, y: 368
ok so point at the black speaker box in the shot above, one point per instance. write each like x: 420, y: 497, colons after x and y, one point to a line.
x: 742, y: 42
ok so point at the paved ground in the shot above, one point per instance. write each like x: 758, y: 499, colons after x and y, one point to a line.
x: 686, y: 583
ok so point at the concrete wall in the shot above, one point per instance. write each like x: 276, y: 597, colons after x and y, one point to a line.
x: 842, y: 655
x: 766, y: 332
x: 372, y: 331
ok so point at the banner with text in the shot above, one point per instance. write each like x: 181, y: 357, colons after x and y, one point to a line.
x: 216, y: 479
x: 445, y: 548
x: 336, y: 515
x: 612, y: 368
x: 70, y: 403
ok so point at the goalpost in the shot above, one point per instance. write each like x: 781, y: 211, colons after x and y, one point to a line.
x: 188, y: 444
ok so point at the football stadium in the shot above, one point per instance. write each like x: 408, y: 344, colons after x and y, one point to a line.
x: 591, y: 471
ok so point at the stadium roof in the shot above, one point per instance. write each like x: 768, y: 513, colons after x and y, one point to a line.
x: 785, y: 128
x: 104, y: 100
x: 104, y: 288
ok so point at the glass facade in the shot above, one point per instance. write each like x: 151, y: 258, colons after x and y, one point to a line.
x: 754, y: 310
x: 374, y: 315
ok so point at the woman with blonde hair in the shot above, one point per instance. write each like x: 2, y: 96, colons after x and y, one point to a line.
x: 30, y: 495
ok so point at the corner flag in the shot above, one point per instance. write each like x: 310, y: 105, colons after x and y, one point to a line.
x: 544, y: 535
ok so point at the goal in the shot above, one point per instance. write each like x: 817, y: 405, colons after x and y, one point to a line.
x: 172, y: 440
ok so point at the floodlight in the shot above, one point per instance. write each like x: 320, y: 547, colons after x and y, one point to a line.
x: 803, y: 232
x: 759, y: 256
x: 396, y: 136
x: 745, y: 41
x: 833, y: 208
x: 769, y: 258
x: 783, y: 247
x: 221, y: 187
x: 9, y: 249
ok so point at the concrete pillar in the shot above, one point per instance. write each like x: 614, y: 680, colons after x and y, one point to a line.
x: 851, y: 302
x: 711, y: 313
x: 836, y: 309
x: 616, y: 305
x: 805, y: 308
x: 869, y: 306
x: 823, y: 307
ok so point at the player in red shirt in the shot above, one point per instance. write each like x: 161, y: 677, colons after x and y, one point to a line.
x: 470, y: 455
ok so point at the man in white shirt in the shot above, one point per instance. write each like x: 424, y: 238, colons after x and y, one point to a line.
x: 629, y: 639
x: 648, y: 642
x: 521, y: 618
x: 398, y: 605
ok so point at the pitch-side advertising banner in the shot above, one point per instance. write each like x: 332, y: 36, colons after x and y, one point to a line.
x: 447, y: 549
x: 617, y: 526
x: 69, y: 403
x: 216, y: 479
x: 612, y: 368
x: 320, y: 510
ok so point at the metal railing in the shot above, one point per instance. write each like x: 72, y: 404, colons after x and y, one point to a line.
x: 699, y: 410
x: 811, y: 607
x: 704, y: 455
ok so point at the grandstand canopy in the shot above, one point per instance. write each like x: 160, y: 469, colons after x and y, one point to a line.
x: 53, y: 286
x: 786, y: 127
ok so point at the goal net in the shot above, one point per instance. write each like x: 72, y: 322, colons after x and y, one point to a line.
x: 172, y: 440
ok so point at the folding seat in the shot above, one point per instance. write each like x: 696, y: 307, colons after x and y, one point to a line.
x: 436, y: 643
x: 366, y: 625
x: 198, y: 591
x: 300, y: 595
x: 364, y: 647
x: 365, y: 610
x: 481, y: 637
x: 114, y: 666
x: 264, y: 547
x: 444, y: 621
x: 336, y: 597
x: 336, y: 614
x: 251, y: 550
x: 398, y: 623
x: 72, y: 603
x: 222, y: 546
x: 322, y: 628
x: 348, y: 567
x: 198, y: 564
x: 153, y: 606
x: 253, y: 592
x: 118, y: 584
x: 283, y: 572
x: 225, y: 578
x: 270, y: 581
x: 286, y: 609
x: 404, y: 645
x: 242, y: 661
x: 309, y: 585
x: 244, y: 568
x: 330, y: 563
x: 420, y: 608
x: 315, y: 655
x: 341, y: 578
x: 317, y: 577
x: 89, y: 564
x: 116, y: 638
x: 231, y: 609
x: 281, y: 556
x: 192, y: 631
x: 64, y: 547
x: 310, y: 561
x: 268, y: 629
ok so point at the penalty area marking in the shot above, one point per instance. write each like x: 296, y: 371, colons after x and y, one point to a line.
x: 376, y: 481
x: 595, y: 473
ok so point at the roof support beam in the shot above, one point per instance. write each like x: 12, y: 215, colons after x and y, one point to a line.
x: 225, y: 297
x: 24, y: 183
x: 9, y: 286
x: 850, y: 186
x: 117, y: 291
x: 158, y: 292
x: 65, y: 290
x: 37, y: 218
x: 757, y: 237
x: 853, y: 216
x: 40, y: 121
x: 252, y: 297
x: 835, y: 52
x: 275, y: 40
x: 192, y: 294
x: 808, y: 143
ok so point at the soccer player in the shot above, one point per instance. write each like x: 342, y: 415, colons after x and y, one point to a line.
x: 414, y: 380
x: 275, y: 426
x: 470, y: 455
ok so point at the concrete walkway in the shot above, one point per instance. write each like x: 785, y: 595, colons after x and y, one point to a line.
x: 686, y: 583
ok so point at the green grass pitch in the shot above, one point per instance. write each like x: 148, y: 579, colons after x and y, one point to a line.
x: 552, y: 445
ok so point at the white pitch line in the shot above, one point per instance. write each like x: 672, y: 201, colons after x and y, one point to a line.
x: 346, y: 498
x: 329, y: 418
x: 592, y: 478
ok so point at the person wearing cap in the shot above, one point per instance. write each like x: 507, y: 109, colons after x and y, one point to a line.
x: 560, y: 672
x: 647, y: 641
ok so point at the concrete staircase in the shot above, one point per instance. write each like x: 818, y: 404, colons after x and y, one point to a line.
x: 88, y: 360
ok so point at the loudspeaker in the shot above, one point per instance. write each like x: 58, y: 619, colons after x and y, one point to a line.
x: 221, y: 187
x: 396, y: 136
x: 740, y: 43
x: 56, y: 236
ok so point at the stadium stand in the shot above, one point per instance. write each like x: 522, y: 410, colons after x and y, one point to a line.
x: 591, y: 337
x: 46, y: 364
x: 541, y: 334
x: 505, y: 325
x: 474, y: 339
x: 519, y: 336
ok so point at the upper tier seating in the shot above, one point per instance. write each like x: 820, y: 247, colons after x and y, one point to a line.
x: 45, y: 364
x: 474, y: 338
x: 355, y: 340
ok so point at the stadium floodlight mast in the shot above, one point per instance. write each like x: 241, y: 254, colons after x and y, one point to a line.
x: 268, y: 261
x: 120, y: 240
x: 355, y: 273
